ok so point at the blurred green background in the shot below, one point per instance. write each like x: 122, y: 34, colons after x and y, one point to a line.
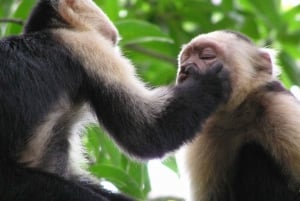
x: 153, y: 32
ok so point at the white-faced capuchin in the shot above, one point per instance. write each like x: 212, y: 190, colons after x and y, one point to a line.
x: 67, y: 63
x: 249, y: 149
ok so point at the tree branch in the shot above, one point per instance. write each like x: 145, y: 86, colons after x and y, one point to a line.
x: 167, y: 198
x: 14, y: 21
x: 152, y: 53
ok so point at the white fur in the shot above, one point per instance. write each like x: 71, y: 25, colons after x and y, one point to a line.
x: 43, y: 133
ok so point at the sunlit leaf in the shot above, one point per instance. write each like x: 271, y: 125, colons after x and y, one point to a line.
x: 110, y: 7
x: 267, y: 10
x: 292, y: 18
x: 22, y: 12
x: 290, y: 68
x: 171, y: 163
x: 138, y: 31
x: 119, y: 178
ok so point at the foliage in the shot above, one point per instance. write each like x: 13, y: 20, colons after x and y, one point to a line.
x: 113, y: 166
x: 153, y: 32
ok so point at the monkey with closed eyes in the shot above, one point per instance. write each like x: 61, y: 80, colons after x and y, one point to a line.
x: 249, y: 148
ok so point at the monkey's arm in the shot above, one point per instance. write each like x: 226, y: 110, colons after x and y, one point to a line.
x: 150, y: 123
x: 147, y: 123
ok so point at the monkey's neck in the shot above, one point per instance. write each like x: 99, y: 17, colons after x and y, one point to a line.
x: 250, y: 92
x: 246, y: 111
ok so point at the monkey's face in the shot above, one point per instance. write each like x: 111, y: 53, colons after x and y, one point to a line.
x: 199, y: 56
x: 248, y: 65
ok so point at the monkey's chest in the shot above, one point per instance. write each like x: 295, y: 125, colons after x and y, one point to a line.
x: 244, y: 172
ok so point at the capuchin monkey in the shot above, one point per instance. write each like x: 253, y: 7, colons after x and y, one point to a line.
x: 67, y: 63
x: 249, y: 149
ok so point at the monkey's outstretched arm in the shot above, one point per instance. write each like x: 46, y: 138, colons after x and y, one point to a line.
x: 150, y: 123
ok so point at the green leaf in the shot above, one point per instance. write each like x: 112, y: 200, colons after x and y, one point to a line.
x: 195, y: 10
x: 110, y: 7
x: 22, y: 12
x: 171, y: 163
x: 7, y: 10
x: 8, y: 7
x: 228, y: 5
x: 119, y: 178
x: 138, y: 31
x: 267, y: 10
x: 105, y: 148
x: 128, y: 176
x: 139, y: 172
x: 291, y: 70
x: 153, y: 70
x: 291, y: 19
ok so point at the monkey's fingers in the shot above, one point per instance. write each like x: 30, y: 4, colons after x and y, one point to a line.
x: 224, y: 76
x: 222, y: 79
x: 215, y: 69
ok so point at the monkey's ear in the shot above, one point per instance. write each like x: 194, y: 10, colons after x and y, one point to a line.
x: 269, y: 56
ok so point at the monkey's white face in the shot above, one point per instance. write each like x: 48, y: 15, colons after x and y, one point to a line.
x: 200, y: 54
x: 206, y: 49
x: 248, y: 65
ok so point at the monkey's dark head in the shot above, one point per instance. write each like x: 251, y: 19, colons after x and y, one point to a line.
x: 249, y: 66
x: 43, y: 16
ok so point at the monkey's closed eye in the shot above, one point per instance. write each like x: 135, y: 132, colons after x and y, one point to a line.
x: 207, y: 54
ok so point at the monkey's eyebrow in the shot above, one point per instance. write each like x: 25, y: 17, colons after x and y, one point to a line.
x: 200, y: 45
x: 239, y: 35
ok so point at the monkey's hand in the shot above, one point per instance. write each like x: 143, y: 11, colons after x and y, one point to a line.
x: 213, y: 83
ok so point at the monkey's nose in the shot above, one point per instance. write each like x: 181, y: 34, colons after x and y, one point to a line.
x: 188, y: 68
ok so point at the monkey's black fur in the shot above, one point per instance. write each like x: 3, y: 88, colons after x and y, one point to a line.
x: 37, y: 73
